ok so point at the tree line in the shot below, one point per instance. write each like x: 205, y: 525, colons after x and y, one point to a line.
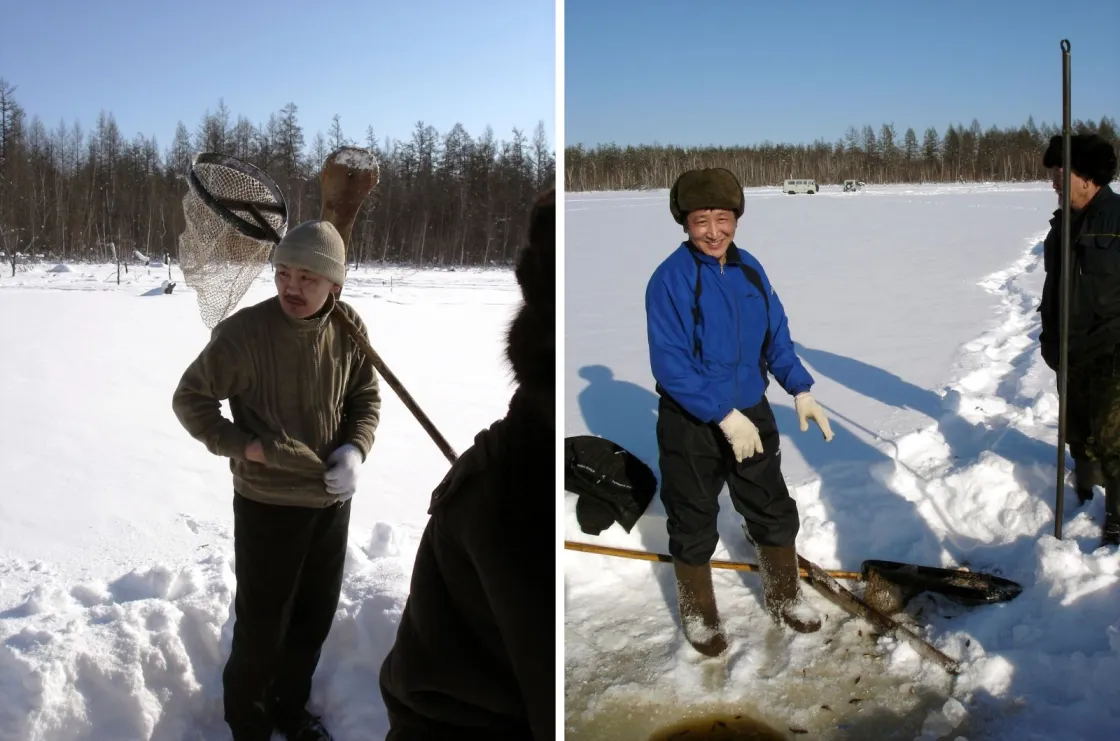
x: 961, y: 154
x: 443, y: 198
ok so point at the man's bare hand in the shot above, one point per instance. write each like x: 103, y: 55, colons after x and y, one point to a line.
x: 254, y: 451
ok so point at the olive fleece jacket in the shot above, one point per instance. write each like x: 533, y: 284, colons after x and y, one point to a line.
x: 302, y: 387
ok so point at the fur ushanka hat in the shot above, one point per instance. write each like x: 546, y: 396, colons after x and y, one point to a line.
x: 1092, y: 157
x: 714, y: 187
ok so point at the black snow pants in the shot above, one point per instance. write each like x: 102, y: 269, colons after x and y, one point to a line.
x: 1093, y: 427
x: 288, y: 563
x: 1079, y: 433
x: 696, y: 461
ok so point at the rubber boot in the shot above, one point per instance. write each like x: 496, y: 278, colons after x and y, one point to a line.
x: 699, y: 616
x: 1086, y: 474
x: 781, y: 589
x: 1111, y: 530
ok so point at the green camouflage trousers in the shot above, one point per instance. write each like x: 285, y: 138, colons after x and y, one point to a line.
x: 1093, y: 419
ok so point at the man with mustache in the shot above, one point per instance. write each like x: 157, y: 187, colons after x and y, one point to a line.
x: 715, y: 329
x: 305, y: 404
x: 1093, y: 391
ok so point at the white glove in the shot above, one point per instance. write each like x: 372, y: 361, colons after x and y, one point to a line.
x: 742, y: 434
x: 808, y: 408
x: 341, y: 477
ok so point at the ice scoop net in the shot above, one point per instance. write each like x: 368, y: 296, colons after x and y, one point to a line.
x: 235, y: 213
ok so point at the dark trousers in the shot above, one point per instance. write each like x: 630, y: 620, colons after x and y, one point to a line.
x: 1087, y: 469
x: 1077, y: 418
x: 289, y: 563
x: 696, y: 461
x: 1093, y: 424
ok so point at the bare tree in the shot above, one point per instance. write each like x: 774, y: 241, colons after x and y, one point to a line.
x: 910, y: 147
x: 336, y: 137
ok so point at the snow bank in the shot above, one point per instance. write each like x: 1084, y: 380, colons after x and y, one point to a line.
x: 141, y: 657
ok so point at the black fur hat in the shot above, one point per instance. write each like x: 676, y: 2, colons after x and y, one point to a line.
x: 1092, y: 157
x: 531, y: 340
x: 714, y: 187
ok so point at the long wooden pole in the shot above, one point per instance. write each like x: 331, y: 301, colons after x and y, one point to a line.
x: 347, y: 177
x: 603, y: 550
x: 820, y: 580
x: 397, y: 386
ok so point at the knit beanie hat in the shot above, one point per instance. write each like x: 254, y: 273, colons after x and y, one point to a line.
x: 714, y: 187
x: 314, y: 245
x: 1092, y: 157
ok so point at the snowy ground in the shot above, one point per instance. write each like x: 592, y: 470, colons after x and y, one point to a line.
x: 115, y: 526
x: 914, y: 309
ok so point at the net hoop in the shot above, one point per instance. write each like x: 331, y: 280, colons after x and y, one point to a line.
x: 262, y: 230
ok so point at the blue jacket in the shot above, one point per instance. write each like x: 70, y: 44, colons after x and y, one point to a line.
x: 715, y: 363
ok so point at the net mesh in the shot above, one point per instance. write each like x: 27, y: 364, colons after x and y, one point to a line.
x: 218, y: 259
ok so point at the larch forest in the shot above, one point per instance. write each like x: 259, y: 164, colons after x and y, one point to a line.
x: 961, y: 154
x: 448, y: 199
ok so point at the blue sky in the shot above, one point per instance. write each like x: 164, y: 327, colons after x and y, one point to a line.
x: 385, y: 64
x: 742, y: 72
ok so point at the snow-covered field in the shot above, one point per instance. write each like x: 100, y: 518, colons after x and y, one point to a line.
x: 116, y: 527
x: 914, y: 308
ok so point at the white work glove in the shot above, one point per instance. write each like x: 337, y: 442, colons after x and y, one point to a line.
x: 742, y: 434
x: 808, y: 408
x: 341, y: 477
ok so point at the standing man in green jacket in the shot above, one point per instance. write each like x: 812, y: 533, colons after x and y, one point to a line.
x: 305, y: 404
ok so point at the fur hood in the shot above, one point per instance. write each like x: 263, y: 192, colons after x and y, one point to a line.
x: 531, y: 337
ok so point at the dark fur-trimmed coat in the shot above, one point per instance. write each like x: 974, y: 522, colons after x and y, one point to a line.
x: 475, y: 650
x: 1094, y: 327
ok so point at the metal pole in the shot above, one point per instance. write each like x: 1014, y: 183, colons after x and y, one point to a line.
x: 1063, y: 335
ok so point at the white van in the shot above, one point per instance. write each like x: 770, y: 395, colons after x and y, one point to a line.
x: 800, y: 186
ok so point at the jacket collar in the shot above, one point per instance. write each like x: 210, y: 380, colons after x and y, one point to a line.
x: 1103, y: 193
x: 313, y: 323
x: 732, y: 254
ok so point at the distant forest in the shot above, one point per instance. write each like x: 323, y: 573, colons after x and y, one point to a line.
x: 444, y: 198
x: 961, y: 154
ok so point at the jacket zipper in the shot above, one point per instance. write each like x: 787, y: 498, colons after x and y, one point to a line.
x: 738, y: 347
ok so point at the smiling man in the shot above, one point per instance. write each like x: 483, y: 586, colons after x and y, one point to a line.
x: 305, y: 405
x: 715, y: 329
